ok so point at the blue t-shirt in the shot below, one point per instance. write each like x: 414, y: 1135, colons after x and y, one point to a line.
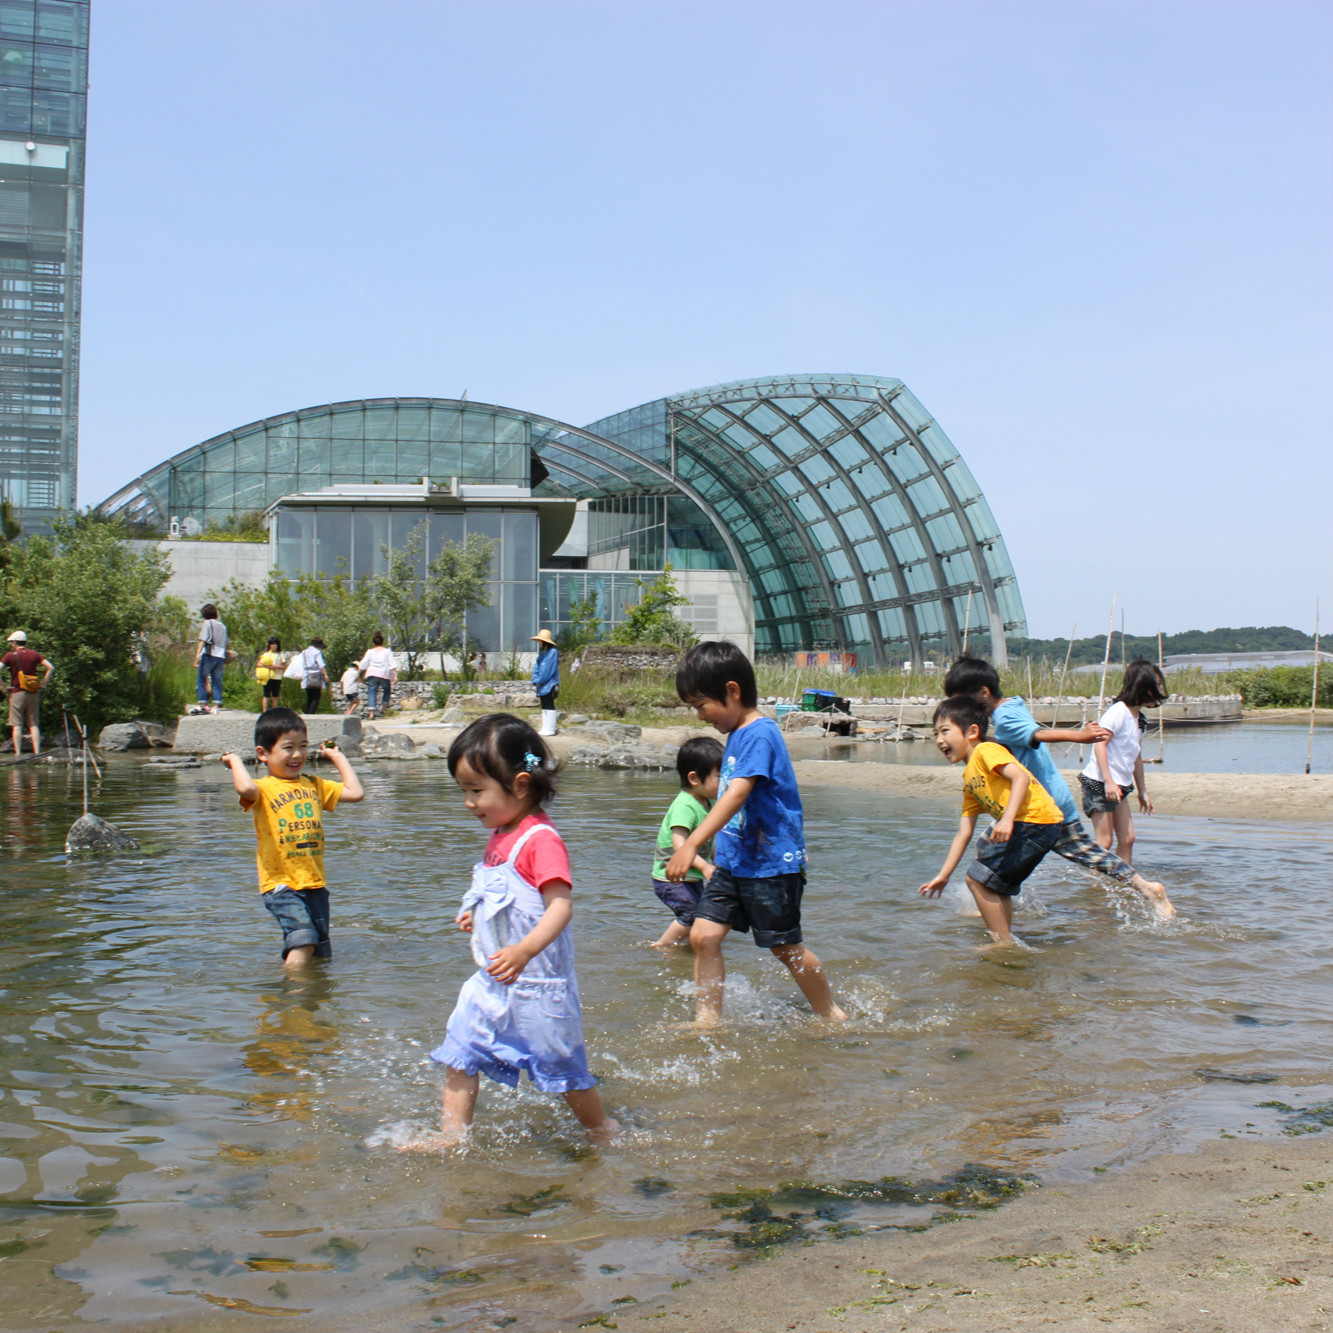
x: 1013, y: 727
x: 765, y: 837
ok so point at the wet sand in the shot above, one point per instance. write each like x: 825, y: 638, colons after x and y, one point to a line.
x: 1226, y: 795
x: 1234, y: 1236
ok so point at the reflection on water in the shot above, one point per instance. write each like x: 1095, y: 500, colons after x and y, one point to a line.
x: 193, y: 1139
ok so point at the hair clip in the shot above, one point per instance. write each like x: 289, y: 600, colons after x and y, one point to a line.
x: 532, y: 761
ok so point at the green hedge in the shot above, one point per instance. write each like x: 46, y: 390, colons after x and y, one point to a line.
x: 1278, y: 687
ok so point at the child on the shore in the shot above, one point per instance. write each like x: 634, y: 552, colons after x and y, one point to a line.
x: 520, y: 1009
x: 699, y: 762
x: 350, y: 685
x: 288, y: 808
x: 1116, y: 766
x: 759, y: 874
x: 1028, y: 741
x: 1027, y: 821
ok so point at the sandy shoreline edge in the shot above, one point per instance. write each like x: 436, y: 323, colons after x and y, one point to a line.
x: 1265, y: 796
x: 1232, y: 1236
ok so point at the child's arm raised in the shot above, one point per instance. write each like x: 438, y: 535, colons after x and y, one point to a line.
x: 737, y: 793
x: 1090, y: 734
x: 935, y: 886
x: 1019, y: 782
x: 352, y: 788
x: 679, y: 833
x: 246, y: 787
x: 509, y: 962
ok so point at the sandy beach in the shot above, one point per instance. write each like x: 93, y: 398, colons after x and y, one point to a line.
x: 1264, y: 796
x: 1232, y: 1237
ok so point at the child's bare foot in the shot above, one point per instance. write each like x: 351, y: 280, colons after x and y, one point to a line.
x: 605, y: 1134
x: 440, y: 1141
x: 835, y: 1015
x: 1155, y: 893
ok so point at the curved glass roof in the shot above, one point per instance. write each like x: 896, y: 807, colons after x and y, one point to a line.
x: 855, y: 520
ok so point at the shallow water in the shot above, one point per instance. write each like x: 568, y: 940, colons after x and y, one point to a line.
x: 193, y: 1140
x: 1229, y: 747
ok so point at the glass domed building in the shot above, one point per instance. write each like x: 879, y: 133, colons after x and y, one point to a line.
x: 799, y: 512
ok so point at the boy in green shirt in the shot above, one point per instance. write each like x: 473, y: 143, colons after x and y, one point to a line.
x: 699, y: 764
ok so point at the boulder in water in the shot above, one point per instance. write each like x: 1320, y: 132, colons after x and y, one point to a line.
x: 91, y: 834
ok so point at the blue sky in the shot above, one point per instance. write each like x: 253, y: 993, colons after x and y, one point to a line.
x: 1091, y: 237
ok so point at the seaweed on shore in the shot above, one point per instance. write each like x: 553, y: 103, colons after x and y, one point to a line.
x: 1303, y: 1119
x: 805, y: 1204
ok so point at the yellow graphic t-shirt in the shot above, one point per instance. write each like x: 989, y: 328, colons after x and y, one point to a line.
x: 289, y: 826
x: 985, y: 789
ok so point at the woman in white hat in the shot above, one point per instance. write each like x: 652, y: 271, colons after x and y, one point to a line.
x: 546, y: 679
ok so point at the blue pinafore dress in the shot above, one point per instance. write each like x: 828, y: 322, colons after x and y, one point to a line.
x: 536, y: 1023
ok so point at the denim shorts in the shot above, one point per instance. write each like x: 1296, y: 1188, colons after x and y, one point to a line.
x: 1094, y: 796
x: 1002, y: 867
x: 303, y: 915
x: 681, y: 898
x: 770, y: 906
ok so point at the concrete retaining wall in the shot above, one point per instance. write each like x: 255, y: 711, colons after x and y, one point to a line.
x: 217, y: 733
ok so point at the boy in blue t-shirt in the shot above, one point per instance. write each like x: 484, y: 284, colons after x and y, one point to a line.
x: 1027, y: 740
x: 759, y: 874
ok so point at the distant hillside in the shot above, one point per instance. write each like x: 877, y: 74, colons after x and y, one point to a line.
x: 1247, y: 639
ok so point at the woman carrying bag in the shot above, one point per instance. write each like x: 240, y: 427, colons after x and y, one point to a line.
x: 546, y: 679
x: 211, y: 655
x: 314, y: 674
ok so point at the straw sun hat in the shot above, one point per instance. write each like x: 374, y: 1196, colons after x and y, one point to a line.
x: 544, y: 636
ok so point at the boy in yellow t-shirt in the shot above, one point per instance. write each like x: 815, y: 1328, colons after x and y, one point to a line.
x: 288, y: 808
x: 1027, y: 821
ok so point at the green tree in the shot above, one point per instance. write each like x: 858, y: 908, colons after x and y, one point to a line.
x: 585, y: 625
x: 85, y: 596
x: 427, y: 613
x: 10, y: 531
x: 654, y: 620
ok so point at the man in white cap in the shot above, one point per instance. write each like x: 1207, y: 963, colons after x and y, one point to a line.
x: 546, y: 679
x: 25, y: 687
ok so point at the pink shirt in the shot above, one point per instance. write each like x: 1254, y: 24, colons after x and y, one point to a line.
x: 543, y: 857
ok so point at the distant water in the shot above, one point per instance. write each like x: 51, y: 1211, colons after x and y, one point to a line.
x: 1229, y: 747
x: 193, y: 1141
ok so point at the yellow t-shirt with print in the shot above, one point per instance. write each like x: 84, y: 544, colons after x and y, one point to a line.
x: 289, y: 826
x: 985, y: 789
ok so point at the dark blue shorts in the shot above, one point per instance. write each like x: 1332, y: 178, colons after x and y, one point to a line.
x: 1002, y: 867
x: 771, y: 906
x: 304, y: 917
x: 681, y: 898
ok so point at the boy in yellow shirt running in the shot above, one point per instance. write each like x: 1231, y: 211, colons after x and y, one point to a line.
x: 288, y: 807
x: 1027, y: 821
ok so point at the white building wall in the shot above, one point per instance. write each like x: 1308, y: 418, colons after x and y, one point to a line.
x: 720, y: 606
x: 199, y: 569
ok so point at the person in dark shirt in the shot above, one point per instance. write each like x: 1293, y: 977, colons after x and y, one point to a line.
x: 28, y: 673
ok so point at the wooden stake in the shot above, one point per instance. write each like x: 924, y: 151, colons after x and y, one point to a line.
x: 1064, y: 671
x: 1314, y: 689
x: 1106, y: 662
x: 967, y: 620
x: 1161, y: 712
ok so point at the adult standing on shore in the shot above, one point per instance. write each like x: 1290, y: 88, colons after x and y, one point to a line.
x: 210, y: 656
x: 546, y: 679
x: 25, y: 690
x: 380, y: 670
x: 314, y: 674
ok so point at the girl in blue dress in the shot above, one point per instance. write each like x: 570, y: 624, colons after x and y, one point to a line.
x: 520, y: 1009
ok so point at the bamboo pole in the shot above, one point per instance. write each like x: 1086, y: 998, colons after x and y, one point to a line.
x: 967, y: 620
x: 1064, y: 671
x: 907, y: 681
x: 1314, y: 689
x: 1161, y: 712
x: 1106, y: 663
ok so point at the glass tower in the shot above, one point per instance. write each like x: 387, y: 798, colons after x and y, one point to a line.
x: 43, y: 95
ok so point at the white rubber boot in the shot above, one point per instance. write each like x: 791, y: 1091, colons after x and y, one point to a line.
x: 549, y: 716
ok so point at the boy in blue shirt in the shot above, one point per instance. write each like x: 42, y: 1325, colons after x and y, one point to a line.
x: 1026, y: 739
x: 759, y: 874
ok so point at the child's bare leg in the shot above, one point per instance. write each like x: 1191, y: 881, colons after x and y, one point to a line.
x: 1103, y: 829
x: 1123, y: 822
x: 710, y: 972
x: 299, y: 956
x: 997, y: 911
x: 810, y: 977
x: 587, y: 1105
x: 460, y: 1102
x: 674, y: 935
